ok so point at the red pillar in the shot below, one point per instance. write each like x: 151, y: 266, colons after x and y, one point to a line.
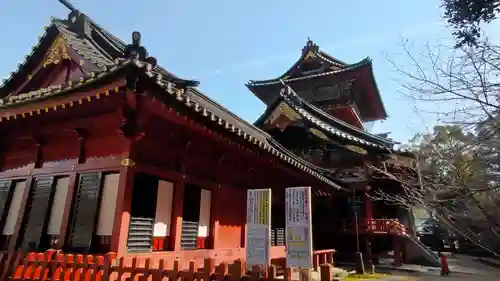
x: 122, y: 210
x: 176, y: 222
x: 214, y: 217
x: 121, y: 221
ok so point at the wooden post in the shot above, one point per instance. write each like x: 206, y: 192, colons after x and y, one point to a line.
x: 256, y: 273
x: 271, y: 273
x: 214, y: 216
x: 122, y: 211
x: 176, y: 222
x: 287, y: 275
x: 238, y: 270
x: 326, y: 272
x: 121, y: 221
x: 304, y: 274
x: 208, y: 268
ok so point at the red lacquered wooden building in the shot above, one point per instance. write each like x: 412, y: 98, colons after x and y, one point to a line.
x: 104, y: 150
x: 319, y: 109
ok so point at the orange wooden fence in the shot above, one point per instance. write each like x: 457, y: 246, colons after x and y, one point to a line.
x: 322, y: 256
x: 54, y: 266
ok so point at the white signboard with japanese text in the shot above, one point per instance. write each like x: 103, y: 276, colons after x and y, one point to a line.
x: 298, y: 227
x: 258, y: 230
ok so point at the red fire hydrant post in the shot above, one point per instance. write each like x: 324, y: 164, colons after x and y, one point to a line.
x: 445, y: 270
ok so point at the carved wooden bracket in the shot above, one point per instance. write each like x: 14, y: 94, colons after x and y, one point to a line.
x: 40, y: 142
x: 133, y: 117
x: 82, y: 135
x: 129, y: 126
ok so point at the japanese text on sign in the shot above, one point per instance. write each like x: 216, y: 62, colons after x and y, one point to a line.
x: 258, y: 227
x: 298, y: 227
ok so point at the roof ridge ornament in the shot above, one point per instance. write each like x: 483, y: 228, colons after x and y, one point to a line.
x: 285, y: 91
x: 135, y: 51
x: 310, y: 46
x: 78, y: 20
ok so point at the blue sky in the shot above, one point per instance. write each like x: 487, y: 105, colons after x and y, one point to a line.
x: 226, y: 43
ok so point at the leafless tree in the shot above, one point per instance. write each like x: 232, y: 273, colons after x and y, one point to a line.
x: 456, y: 174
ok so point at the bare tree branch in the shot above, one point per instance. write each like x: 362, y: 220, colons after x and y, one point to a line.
x: 456, y: 176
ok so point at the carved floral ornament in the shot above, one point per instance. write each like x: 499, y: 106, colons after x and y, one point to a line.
x: 127, y: 162
x: 351, y: 175
x: 319, y: 133
x: 57, y: 52
x: 356, y: 149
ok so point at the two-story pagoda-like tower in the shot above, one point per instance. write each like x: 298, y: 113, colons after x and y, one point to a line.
x: 318, y: 109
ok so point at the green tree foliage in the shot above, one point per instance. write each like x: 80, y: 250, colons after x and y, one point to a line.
x: 460, y: 180
x: 466, y: 16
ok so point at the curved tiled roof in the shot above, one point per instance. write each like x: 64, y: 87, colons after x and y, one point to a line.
x: 201, y: 104
x: 191, y: 99
x: 61, y: 89
x: 265, y: 89
x: 313, y: 48
x: 97, y: 46
x: 364, y: 62
x: 335, y: 126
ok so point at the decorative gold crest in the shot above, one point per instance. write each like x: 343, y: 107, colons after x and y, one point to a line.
x: 127, y: 162
x: 318, y: 133
x: 356, y: 149
x: 289, y: 112
x: 57, y: 52
x: 309, y: 55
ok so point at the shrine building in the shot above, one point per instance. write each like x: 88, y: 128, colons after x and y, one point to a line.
x: 104, y: 150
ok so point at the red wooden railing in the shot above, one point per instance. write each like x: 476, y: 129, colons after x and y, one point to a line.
x: 376, y: 226
x: 322, y: 257
x: 54, y: 266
